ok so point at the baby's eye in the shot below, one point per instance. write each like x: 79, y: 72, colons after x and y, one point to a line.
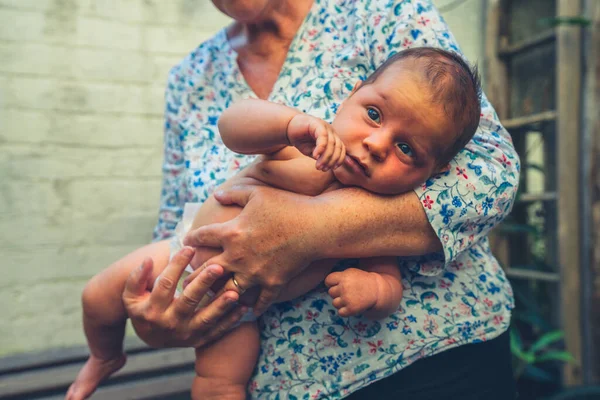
x: 406, y: 149
x: 374, y: 115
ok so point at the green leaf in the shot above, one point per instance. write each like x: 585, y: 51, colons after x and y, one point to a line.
x: 429, y: 295
x: 327, y: 90
x: 311, y: 368
x: 485, y: 180
x: 292, y: 397
x: 546, y: 340
x: 360, y: 368
x: 516, y: 346
x: 411, y: 303
x: 538, y: 374
x: 555, y: 356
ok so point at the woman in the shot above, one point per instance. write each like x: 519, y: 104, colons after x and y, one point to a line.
x: 307, y: 54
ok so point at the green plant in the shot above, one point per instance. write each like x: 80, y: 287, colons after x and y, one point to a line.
x: 527, y: 360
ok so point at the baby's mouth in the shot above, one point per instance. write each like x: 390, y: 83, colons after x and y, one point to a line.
x: 355, y: 165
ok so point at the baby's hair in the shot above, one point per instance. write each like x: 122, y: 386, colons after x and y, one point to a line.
x: 454, y: 85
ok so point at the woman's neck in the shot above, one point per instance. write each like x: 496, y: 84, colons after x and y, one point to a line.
x: 272, y: 34
x: 262, y: 46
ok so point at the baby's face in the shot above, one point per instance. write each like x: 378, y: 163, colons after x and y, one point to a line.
x: 391, y: 133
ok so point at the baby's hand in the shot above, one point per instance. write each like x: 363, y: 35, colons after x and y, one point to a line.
x: 315, y: 138
x: 353, y: 291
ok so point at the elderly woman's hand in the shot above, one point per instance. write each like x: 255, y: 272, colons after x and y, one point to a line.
x: 266, y: 245
x: 162, y: 320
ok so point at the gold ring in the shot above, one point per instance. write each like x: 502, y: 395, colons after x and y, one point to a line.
x: 237, y: 285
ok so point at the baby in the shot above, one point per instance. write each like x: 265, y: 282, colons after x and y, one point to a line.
x: 396, y: 129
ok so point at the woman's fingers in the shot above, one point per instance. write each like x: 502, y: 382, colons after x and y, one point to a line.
x: 197, y: 288
x: 223, y: 326
x: 205, y: 236
x: 266, y: 298
x: 138, y: 281
x: 164, y: 288
x: 211, y: 316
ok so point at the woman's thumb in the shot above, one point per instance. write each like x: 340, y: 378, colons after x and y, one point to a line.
x: 138, y: 281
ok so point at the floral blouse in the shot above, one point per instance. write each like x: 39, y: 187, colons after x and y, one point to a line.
x: 451, y: 299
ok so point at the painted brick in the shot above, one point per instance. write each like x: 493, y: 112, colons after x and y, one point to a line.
x: 63, y: 262
x: 62, y: 61
x: 68, y: 95
x: 40, y: 126
x: 57, y: 162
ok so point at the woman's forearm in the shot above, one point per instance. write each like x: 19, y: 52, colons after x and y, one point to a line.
x: 352, y: 222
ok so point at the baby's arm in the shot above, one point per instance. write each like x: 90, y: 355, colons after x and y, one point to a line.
x: 260, y: 127
x: 374, y: 290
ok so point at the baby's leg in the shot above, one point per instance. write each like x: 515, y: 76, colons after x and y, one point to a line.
x: 104, y: 317
x: 375, y: 290
x: 224, y: 367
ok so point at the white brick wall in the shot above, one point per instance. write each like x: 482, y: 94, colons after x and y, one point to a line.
x: 81, y: 99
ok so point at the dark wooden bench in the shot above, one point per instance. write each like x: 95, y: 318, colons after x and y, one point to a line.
x: 148, y: 374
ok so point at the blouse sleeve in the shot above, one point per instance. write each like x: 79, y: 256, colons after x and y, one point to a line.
x: 478, y: 191
x: 171, y: 197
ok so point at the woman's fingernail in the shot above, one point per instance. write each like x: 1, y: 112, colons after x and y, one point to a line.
x: 230, y: 300
x: 187, y: 252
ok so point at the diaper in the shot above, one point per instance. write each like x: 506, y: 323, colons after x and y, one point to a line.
x: 189, y: 212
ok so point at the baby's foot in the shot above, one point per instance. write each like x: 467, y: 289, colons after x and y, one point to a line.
x: 353, y: 291
x: 93, y: 372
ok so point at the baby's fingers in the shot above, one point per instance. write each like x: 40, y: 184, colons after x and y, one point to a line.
x: 339, y: 155
x: 325, y: 158
x: 320, y: 146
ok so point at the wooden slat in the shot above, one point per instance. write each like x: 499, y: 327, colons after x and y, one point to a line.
x: 536, y: 41
x: 529, y: 120
x: 569, y: 67
x: 171, y: 387
x: 59, y: 356
x: 496, y: 88
x: 166, y: 387
x: 61, y: 376
x: 496, y: 76
x: 532, y: 197
x: 530, y: 274
x: 591, y: 232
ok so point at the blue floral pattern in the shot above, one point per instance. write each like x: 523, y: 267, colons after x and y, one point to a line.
x: 450, y: 299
